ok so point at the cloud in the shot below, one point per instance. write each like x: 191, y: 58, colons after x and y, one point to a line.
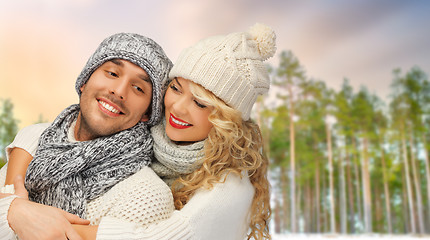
x: 191, y: 21
x: 38, y: 68
x: 362, y: 40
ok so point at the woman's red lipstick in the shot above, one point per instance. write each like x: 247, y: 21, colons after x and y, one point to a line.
x: 178, y: 123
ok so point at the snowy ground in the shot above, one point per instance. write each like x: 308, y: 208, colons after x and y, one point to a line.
x: 350, y: 237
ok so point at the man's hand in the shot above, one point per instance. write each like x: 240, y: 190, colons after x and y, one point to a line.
x: 31, y: 220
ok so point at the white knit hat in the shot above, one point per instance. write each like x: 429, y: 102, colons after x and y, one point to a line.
x: 230, y: 66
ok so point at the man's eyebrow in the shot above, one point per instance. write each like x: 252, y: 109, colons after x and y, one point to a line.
x: 117, y: 62
x: 145, y: 78
x: 141, y: 76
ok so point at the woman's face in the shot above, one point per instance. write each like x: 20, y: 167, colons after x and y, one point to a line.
x: 186, y: 117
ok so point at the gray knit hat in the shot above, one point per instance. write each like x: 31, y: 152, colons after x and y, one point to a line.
x: 230, y: 66
x: 140, y: 50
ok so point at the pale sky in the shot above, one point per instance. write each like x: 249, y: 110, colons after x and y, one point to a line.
x: 44, y: 44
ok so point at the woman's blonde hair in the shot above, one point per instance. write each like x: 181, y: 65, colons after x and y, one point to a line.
x: 233, y: 146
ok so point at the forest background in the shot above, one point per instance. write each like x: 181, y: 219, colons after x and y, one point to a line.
x: 346, y: 122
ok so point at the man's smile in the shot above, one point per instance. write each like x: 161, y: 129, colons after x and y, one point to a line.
x: 109, y: 108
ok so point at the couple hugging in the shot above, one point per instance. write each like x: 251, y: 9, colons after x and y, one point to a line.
x: 152, y: 151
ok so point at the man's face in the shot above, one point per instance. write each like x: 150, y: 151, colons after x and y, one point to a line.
x: 116, y: 97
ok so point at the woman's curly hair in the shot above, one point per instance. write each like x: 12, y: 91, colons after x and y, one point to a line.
x: 232, y: 146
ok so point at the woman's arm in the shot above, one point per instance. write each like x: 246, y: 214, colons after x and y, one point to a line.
x: 21, y: 151
x: 219, y: 213
x: 27, y: 139
x: 142, y: 198
x: 17, y: 164
x: 31, y: 220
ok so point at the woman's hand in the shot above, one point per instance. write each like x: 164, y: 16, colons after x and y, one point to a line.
x: 86, y: 232
x: 20, y: 190
x: 31, y: 220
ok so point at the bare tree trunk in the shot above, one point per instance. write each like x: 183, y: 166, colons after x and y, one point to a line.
x: 323, y: 202
x: 358, y: 184
x: 308, y: 209
x: 292, y: 163
x: 406, y: 215
x: 378, y: 208
x: 343, y: 210
x: 331, y: 180
x: 285, y: 210
x: 277, y: 215
x: 386, y: 192
x: 367, y: 198
x: 408, y: 185
x: 426, y: 161
x: 299, y: 214
x: 350, y: 192
x: 417, y: 184
x: 317, y: 197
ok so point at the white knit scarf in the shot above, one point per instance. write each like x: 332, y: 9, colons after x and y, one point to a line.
x: 172, y: 160
x: 66, y: 174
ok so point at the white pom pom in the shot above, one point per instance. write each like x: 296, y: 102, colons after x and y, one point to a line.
x: 265, y: 38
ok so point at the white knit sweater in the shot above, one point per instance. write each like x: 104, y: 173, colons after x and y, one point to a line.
x: 131, y: 209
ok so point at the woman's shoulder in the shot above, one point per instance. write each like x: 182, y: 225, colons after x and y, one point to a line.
x: 35, y: 129
x: 240, y: 181
x: 232, y: 186
x: 27, y: 138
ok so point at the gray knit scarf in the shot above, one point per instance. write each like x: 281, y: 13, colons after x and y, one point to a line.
x: 66, y: 174
x: 171, y: 160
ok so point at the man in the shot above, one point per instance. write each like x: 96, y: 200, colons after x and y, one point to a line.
x: 94, y: 145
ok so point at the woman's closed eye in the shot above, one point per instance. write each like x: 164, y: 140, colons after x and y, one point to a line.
x: 174, y: 88
x: 200, y: 105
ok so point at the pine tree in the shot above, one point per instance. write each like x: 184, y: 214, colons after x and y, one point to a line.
x: 289, y: 75
x: 8, y: 126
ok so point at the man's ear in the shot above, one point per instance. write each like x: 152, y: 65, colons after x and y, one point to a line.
x: 82, y: 87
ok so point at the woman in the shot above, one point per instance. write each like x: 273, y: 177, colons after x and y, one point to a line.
x: 207, y: 147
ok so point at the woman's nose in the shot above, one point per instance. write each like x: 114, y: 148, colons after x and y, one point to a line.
x: 180, y: 106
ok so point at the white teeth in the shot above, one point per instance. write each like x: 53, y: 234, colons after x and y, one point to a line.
x: 180, y: 123
x: 109, y: 107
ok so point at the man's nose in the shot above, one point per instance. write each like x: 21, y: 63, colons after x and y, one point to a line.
x: 119, y: 89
